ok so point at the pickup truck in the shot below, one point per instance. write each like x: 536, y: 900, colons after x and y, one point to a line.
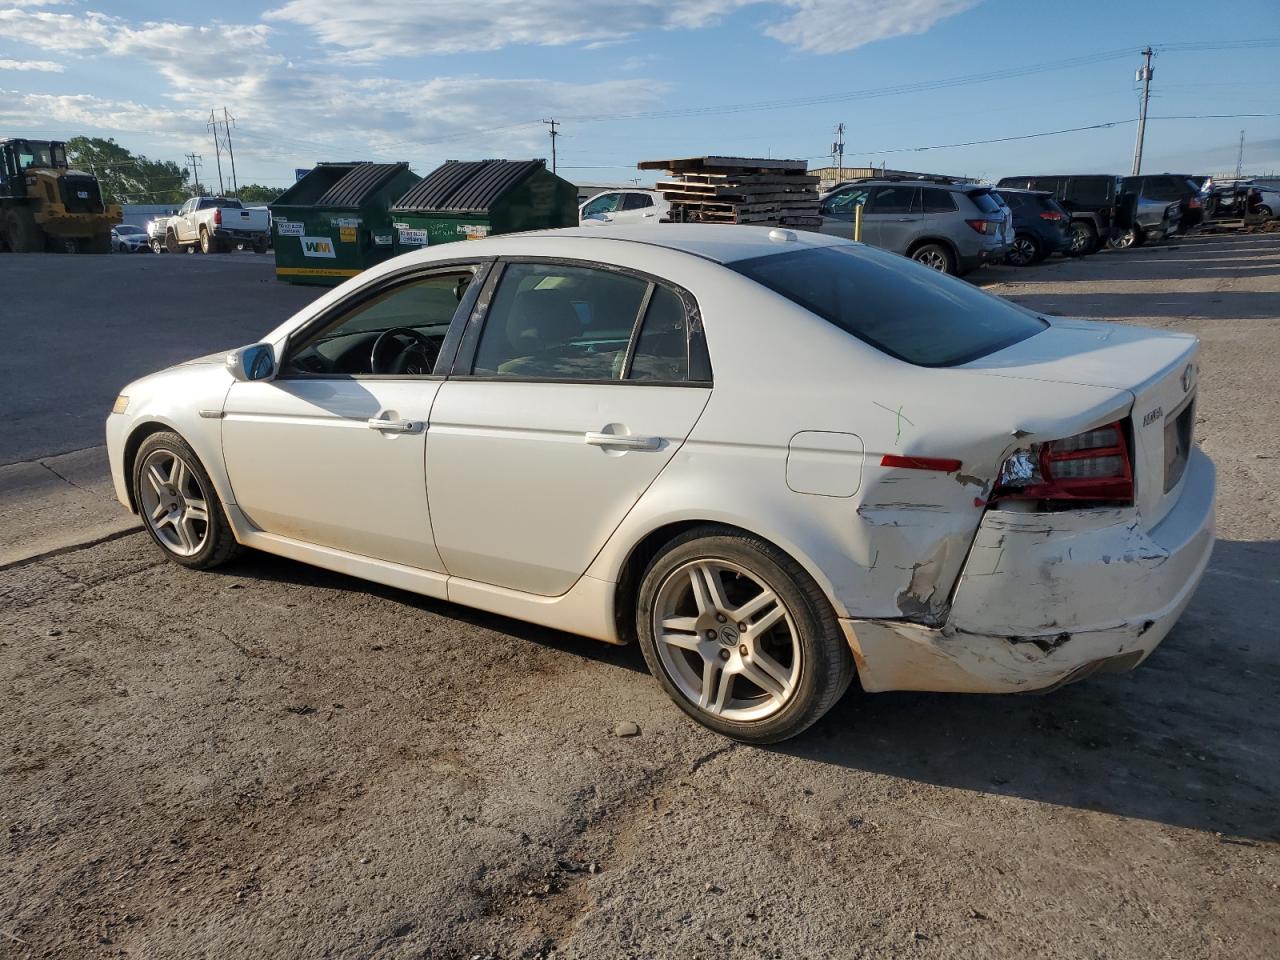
x: 156, y: 232
x: 215, y: 225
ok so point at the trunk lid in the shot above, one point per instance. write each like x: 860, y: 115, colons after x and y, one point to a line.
x: 1159, y: 370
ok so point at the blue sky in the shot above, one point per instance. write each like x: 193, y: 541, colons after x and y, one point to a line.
x: 311, y: 80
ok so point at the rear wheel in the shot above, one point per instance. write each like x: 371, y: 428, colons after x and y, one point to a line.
x: 936, y: 257
x: 1264, y: 212
x: 740, y: 636
x: 23, y: 234
x: 178, y: 504
x: 99, y: 244
x: 1125, y: 239
x: 1024, y: 251
x: 1083, y: 239
x: 207, y: 242
x: 260, y: 245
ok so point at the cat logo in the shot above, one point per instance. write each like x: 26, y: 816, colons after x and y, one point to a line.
x: 318, y: 247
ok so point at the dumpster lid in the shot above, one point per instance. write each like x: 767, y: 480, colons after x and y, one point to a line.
x: 466, y: 186
x: 358, y: 183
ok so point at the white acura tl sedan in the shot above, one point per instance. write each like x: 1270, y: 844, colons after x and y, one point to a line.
x: 772, y: 458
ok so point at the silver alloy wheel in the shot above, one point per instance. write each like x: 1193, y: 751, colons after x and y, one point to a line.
x: 726, y: 640
x: 1079, y: 239
x: 1022, y: 252
x: 932, y: 258
x: 174, y: 503
x: 1125, y: 239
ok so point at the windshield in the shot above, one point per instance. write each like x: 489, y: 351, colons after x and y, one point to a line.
x: 40, y: 153
x: 129, y: 228
x: 901, y: 308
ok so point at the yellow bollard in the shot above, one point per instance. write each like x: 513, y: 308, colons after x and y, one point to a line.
x: 857, y: 223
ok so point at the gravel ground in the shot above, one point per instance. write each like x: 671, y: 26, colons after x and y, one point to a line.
x: 272, y: 759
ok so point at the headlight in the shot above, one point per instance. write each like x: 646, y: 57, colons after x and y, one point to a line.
x: 121, y: 404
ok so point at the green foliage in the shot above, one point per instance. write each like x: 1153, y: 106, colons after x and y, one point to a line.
x: 257, y: 193
x: 126, y: 177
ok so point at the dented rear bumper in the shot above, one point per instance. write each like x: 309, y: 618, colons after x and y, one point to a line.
x: 1046, y: 598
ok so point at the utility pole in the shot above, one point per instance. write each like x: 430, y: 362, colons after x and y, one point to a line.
x: 217, y: 151
x: 554, y: 133
x: 193, y: 161
x: 1240, y: 156
x: 227, y: 122
x: 837, y: 151
x: 1144, y: 74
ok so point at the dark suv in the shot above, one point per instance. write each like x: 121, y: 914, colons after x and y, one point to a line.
x: 1093, y: 201
x: 1041, y: 226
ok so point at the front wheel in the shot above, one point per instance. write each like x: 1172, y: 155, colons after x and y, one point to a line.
x: 178, y: 504
x: 171, y: 242
x: 157, y: 246
x: 740, y: 636
x: 1083, y: 240
x: 1125, y: 239
x: 936, y: 257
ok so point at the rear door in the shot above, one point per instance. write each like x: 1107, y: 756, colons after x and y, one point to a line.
x: 636, y: 208
x: 574, y: 386
x: 896, y: 216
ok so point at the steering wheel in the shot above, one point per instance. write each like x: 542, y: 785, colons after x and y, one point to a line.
x: 405, y: 361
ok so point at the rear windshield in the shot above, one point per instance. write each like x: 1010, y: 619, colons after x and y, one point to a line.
x: 985, y: 201
x: 906, y: 310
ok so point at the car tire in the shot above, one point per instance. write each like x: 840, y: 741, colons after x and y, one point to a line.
x: 171, y: 242
x: 1084, y: 240
x: 157, y: 246
x: 1265, y: 212
x: 207, y: 243
x: 1126, y: 239
x: 936, y: 257
x: 178, y: 504
x: 260, y: 245
x: 1025, y: 250
x: 761, y: 660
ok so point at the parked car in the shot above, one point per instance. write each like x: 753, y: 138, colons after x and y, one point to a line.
x: 623, y: 207
x: 1093, y: 200
x: 1041, y: 226
x: 1232, y: 199
x: 156, y: 234
x: 126, y: 238
x: 952, y: 227
x: 215, y: 225
x: 766, y: 455
x: 1147, y: 199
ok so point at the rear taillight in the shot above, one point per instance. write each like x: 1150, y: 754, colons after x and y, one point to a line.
x: 982, y: 226
x: 217, y: 216
x: 1052, y: 215
x: 1091, y: 467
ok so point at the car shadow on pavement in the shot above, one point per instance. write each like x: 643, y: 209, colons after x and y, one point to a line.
x: 262, y: 566
x: 1188, y: 739
x: 1108, y: 305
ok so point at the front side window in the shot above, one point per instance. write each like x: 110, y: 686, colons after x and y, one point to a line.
x: 897, y: 199
x: 397, y: 331
x: 605, y: 203
x: 907, y: 311
x: 557, y: 322
x: 846, y: 201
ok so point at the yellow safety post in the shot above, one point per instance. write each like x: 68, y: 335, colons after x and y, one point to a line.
x: 857, y: 223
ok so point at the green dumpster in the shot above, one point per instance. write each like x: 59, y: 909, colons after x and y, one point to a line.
x: 467, y: 200
x: 334, y: 222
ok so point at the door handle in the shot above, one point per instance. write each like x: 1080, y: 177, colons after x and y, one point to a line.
x: 623, y: 440
x: 391, y: 426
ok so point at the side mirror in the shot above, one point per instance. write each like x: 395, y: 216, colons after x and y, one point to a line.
x: 254, y: 362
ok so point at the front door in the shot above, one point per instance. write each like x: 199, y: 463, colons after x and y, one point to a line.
x: 332, y: 451
x: 838, y: 211
x: 564, y: 406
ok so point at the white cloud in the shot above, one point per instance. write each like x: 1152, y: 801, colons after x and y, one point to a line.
x: 40, y: 66
x: 373, y: 29
x: 55, y: 31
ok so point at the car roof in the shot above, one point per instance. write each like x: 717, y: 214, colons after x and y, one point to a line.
x: 723, y: 243
x: 913, y: 181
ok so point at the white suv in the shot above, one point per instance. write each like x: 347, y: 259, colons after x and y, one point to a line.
x: 623, y: 206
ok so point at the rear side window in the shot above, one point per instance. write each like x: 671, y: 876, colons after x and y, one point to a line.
x: 1164, y: 188
x: 937, y: 201
x: 1089, y: 191
x: 637, y: 201
x: 905, y: 310
x: 898, y: 199
x: 662, y: 352
x: 984, y: 201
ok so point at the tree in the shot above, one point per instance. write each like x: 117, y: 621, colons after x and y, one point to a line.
x: 257, y: 193
x: 126, y: 177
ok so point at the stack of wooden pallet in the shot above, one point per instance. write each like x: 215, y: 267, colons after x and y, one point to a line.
x: 739, y: 190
